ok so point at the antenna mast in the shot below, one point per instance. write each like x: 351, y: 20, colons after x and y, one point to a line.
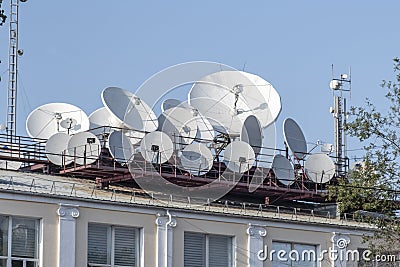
x: 339, y: 86
x: 13, y: 53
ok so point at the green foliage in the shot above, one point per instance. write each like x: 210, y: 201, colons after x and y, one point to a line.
x: 375, y: 186
x: 3, y: 17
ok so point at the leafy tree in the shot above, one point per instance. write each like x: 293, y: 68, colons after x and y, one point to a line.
x: 2, y: 16
x: 372, y: 190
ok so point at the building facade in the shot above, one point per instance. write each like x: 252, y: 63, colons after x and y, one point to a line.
x: 50, y: 221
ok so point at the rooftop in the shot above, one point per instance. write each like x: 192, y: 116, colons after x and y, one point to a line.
x: 56, y: 186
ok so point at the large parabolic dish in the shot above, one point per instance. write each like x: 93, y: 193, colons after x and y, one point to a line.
x: 252, y: 134
x: 196, y: 159
x: 129, y: 109
x: 156, y: 147
x: 294, y: 138
x: 57, y: 149
x: 205, y: 130
x: 239, y: 156
x: 102, y: 117
x: 228, y: 97
x: 53, y: 118
x: 179, y: 124
x: 84, y: 148
x: 120, y: 147
x: 320, y: 168
x: 283, y: 169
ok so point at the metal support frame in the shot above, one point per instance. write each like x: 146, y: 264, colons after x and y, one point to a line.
x: 12, y: 72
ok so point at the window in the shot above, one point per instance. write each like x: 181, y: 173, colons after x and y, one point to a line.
x: 304, y: 255
x: 19, y: 238
x: 113, y: 246
x: 203, y: 250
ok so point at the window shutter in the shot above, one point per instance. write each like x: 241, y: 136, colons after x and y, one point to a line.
x: 23, y: 243
x: 125, y: 246
x: 194, y: 250
x: 3, y: 236
x: 220, y: 251
x: 98, y: 242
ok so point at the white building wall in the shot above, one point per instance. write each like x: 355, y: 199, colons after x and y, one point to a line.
x: 45, y: 208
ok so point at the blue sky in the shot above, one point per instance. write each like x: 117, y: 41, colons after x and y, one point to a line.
x: 74, y: 49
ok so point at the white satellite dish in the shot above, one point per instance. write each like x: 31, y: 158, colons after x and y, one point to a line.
x: 156, y: 147
x: 53, y: 118
x: 271, y: 96
x: 205, y: 130
x: 228, y: 98
x: 120, y: 147
x: 179, y: 124
x: 252, y: 134
x: 294, y: 138
x: 10, y: 165
x: 57, y: 149
x: 102, y: 121
x: 283, y: 170
x: 84, y: 147
x: 129, y: 109
x: 320, y: 168
x: 267, y: 152
x: 9, y: 151
x: 239, y: 156
x: 134, y: 136
x: 170, y: 103
x: 196, y: 159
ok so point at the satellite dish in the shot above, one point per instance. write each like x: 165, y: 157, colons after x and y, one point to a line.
x: 196, y: 159
x: 84, y: 148
x: 283, y: 170
x: 10, y: 165
x: 156, y: 147
x: 267, y: 152
x: 294, y: 138
x: 170, y: 103
x: 120, y: 147
x: 239, y: 156
x: 205, y: 129
x: 46, y: 120
x: 134, y: 136
x: 179, y: 124
x: 102, y: 121
x: 68, y: 124
x: 8, y: 150
x: 57, y: 149
x: 228, y: 98
x: 3, y: 127
x: 271, y: 96
x: 251, y: 133
x: 129, y: 109
x: 320, y: 168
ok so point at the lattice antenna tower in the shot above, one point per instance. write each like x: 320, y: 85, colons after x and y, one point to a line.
x: 13, y: 54
x: 339, y: 87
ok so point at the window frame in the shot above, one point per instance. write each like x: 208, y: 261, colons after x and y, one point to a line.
x: 292, y: 247
x: 231, y: 248
x: 9, y: 258
x: 111, y: 245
